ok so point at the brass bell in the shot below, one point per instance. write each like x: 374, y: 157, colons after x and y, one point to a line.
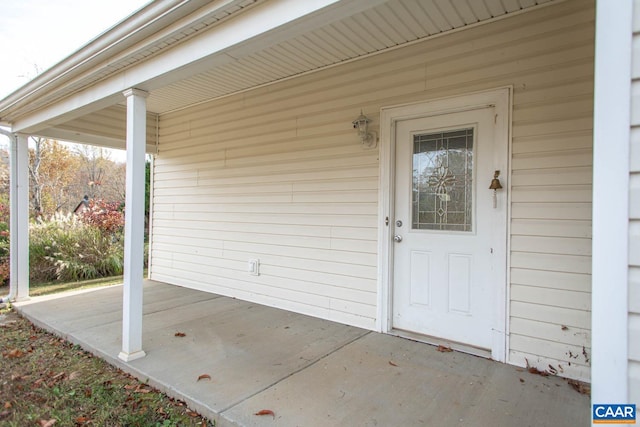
x: 495, y: 182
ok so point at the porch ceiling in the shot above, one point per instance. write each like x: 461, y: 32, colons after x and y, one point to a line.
x: 184, y: 52
x: 384, y: 26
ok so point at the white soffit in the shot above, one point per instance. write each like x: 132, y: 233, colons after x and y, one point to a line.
x: 343, y: 31
x: 385, y: 26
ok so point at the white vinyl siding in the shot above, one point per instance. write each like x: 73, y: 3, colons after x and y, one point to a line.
x: 278, y: 174
x: 634, y: 217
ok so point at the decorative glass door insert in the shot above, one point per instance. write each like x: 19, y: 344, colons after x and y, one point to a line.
x: 442, y: 180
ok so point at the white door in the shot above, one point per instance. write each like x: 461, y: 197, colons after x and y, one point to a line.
x: 447, y: 229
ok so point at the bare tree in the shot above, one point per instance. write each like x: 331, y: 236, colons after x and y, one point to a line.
x: 52, y: 170
x: 102, y: 177
x: 35, y: 159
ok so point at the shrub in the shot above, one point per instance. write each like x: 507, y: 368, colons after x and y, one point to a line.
x: 108, y: 217
x: 64, y: 248
x: 4, y: 243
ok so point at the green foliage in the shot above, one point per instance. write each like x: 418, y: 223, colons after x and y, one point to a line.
x: 64, y: 248
x: 4, y: 241
x: 147, y: 187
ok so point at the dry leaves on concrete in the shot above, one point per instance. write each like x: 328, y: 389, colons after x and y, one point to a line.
x: 266, y: 412
x: 444, y: 349
x: 580, y: 387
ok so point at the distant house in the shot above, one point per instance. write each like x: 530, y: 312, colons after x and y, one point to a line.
x: 82, y: 206
x: 486, y: 199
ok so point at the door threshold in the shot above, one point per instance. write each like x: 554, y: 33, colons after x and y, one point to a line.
x: 436, y: 341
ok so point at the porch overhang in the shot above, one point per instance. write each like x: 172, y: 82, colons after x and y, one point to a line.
x: 186, y: 52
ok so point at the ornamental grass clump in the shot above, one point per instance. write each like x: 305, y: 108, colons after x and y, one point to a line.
x: 68, y: 247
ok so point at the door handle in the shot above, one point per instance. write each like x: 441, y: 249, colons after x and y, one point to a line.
x: 397, y: 238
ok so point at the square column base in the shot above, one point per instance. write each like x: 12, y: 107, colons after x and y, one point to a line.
x: 128, y: 357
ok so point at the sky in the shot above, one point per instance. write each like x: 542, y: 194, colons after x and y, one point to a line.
x: 37, y: 34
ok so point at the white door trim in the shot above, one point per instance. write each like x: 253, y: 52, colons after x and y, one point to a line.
x: 499, y: 98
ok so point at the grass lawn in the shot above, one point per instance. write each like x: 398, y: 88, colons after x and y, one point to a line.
x: 47, y: 381
x: 55, y: 287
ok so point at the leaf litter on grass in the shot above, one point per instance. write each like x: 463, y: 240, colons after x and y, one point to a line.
x: 49, y: 381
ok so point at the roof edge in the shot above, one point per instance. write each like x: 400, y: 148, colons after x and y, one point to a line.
x: 129, y: 30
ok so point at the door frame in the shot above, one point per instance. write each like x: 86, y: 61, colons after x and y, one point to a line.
x: 500, y: 99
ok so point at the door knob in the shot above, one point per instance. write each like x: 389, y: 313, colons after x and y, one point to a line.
x: 397, y: 238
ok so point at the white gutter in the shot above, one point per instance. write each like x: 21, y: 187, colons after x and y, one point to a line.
x: 126, y: 30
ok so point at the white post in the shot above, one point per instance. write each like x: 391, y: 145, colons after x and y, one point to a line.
x: 134, y: 226
x: 610, y: 262
x: 19, y: 218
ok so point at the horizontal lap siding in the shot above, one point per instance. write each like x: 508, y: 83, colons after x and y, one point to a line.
x: 634, y: 218
x: 278, y: 174
x: 550, y: 290
x: 306, y: 211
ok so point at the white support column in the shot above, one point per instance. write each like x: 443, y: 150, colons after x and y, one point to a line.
x: 19, y: 218
x: 134, y: 226
x: 610, y: 262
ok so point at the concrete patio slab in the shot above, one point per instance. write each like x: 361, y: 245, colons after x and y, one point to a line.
x: 309, y: 371
x: 381, y: 380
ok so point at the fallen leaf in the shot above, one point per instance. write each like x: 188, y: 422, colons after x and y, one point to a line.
x: 204, y: 377
x: 8, y: 405
x: 444, y: 349
x: 74, y: 375
x: 192, y: 414
x: 58, y: 376
x: 82, y: 420
x: 580, y: 387
x: 13, y: 354
x: 391, y: 363
x: 521, y: 380
x: 179, y: 334
x: 141, y: 389
x: 266, y: 412
x: 536, y: 371
x: 47, y: 423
